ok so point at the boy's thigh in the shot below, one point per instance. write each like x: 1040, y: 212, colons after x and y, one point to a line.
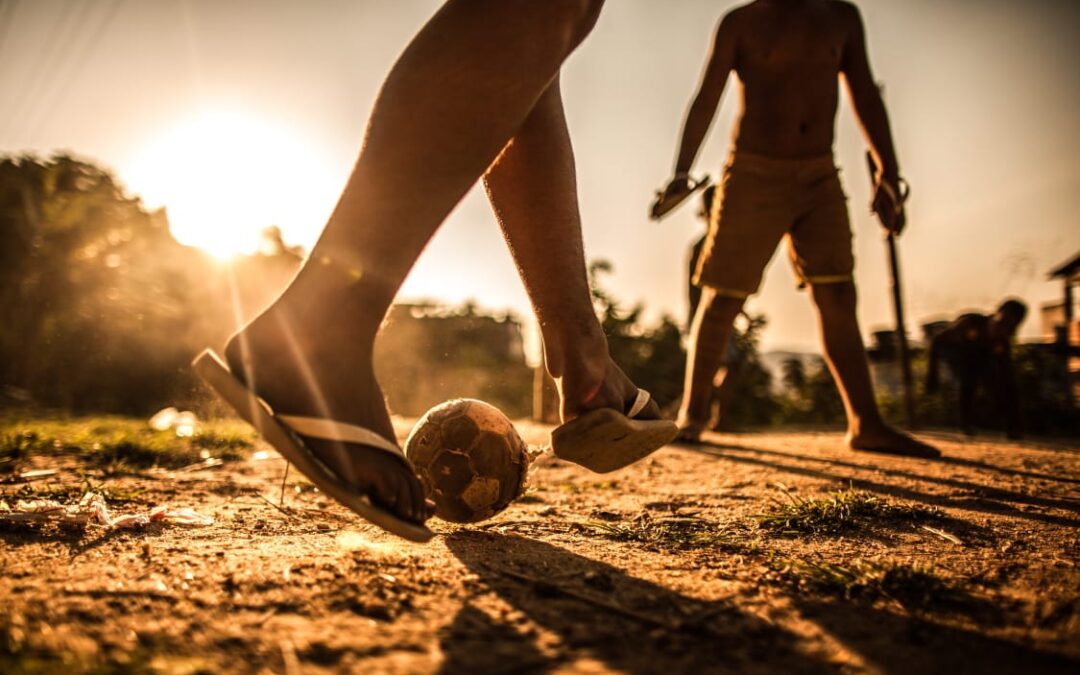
x: 819, y: 243
x: 747, y: 225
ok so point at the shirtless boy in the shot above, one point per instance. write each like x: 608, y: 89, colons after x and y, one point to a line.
x: 781, y: 182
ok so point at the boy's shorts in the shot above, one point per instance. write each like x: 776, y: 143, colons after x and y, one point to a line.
x: 762, y: 200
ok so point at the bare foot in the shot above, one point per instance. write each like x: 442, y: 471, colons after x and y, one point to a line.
x: 324, y: 369
x: 689, y: 432
x: 593, y: 383
x: 887, y: 440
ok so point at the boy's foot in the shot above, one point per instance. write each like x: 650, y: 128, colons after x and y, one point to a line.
x: 608, y: 423
x: 890, y: 441
x: 690, y: 433
x: 325, y: 371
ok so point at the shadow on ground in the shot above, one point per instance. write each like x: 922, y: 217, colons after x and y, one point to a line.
x: 630, y: 624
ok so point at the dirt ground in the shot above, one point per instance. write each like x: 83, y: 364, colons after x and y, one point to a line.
x: 670, y: 566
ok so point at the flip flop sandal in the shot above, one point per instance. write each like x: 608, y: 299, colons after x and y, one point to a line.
x: 284, y: 433
x: 605, y: 440
x: 661, y: 207
x: 896, y: 198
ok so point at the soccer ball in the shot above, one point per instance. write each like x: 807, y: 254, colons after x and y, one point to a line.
x: 470, y: 459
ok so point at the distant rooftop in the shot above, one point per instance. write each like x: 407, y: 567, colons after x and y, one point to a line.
x: 1066, y: 269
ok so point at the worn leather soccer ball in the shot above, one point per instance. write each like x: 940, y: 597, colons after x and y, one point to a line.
x: 470, y: 459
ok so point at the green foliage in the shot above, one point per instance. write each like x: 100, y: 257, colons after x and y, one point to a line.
x: 103, y: 309
x: 810, y: 394
x: 652, y: 357
x: 839, y: 512
x: 752, y: 402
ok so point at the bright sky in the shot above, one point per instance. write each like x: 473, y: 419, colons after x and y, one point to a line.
x: 244, y: 113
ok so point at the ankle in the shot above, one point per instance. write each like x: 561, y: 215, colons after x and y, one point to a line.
x: 862, y: 426
x: 580, y: 352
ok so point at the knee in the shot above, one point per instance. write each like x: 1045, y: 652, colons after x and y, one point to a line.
x: 838, y: 297
x: 718, y: 311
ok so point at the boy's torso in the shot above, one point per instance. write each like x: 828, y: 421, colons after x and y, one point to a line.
x: 788, y: 57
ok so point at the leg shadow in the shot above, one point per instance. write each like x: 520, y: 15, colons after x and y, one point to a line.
x: 892, y: 643
x: 629, y: 624
x: 474, y: 643
x: 983, y: 499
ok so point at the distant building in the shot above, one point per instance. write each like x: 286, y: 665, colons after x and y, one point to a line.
x: 1061, y: 321
x: 428, y: 353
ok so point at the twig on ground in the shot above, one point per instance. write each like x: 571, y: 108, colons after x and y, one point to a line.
x: 284, y: 477
x: 283, y: 509
x: 943, y: 534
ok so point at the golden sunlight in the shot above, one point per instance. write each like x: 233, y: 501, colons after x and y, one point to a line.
x: 224, y: 176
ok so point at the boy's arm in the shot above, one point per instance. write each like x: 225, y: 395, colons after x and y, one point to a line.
x: 868, y: 104
x: 720, y: 63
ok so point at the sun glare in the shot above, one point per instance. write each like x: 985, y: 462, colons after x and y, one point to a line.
x: 225, y: 176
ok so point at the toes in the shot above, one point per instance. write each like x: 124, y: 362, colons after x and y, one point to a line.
x: 415, y: 498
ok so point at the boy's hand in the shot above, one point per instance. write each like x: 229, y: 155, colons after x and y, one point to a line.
x: 677, y: 190
x: 888, y: 203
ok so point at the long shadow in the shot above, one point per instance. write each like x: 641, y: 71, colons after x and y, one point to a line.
x: 997, y: 493
x: 974, y: 464
x: 982, y: 503
x: 629, y: 624
x: 891, y: 643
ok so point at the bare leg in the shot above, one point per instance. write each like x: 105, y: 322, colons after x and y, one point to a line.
x: 458, y: 93
x: 846, y: 356
x: 709, y: 336
x: 533, y: 190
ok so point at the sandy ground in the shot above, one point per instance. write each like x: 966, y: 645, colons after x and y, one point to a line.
x: 660, y: 568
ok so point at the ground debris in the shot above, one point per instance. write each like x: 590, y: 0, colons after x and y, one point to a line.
x: 92, y: 510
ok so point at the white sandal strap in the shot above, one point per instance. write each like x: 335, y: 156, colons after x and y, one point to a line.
x: 640, y: 401
x: 318, y: 427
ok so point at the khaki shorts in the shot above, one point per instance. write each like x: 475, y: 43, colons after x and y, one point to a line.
x: 763, y: 200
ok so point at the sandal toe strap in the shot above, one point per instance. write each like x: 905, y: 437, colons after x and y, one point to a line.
x: 331, y: 430
x: 640, y: 401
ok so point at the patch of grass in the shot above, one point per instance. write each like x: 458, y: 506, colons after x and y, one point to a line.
x: 909, y: 585
x: 16, y: 447
x: 117, y: 444
x: 227, y: 443
x: 659, y: 534
x: 71, y: 493
x: 840, y: 511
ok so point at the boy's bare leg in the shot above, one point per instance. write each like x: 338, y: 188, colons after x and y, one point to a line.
x: 709, y: 336
x: 533, y: 190
x: 846, y: 356
x: 457, y: 94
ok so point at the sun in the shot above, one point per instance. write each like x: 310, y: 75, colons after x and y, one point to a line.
x: 223, y: 176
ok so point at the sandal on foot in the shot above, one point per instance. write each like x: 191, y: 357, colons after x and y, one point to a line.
x: 604, y: 440
x: 284, y: 433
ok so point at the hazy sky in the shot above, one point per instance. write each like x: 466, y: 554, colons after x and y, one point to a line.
x: 984, y: 97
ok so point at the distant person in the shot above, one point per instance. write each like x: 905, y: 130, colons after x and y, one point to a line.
x: 781, y: 182
x: 728, y: 372
x: 475, y: 95
x: 977, y: 349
